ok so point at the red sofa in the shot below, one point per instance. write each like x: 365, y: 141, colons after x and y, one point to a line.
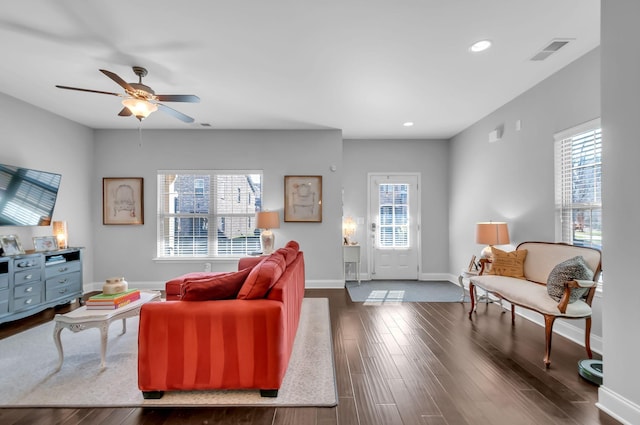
x: 239, y: 343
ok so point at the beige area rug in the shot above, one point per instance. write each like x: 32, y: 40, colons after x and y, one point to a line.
x: 28, y: 361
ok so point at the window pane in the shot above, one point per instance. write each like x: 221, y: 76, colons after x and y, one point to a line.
x: 579, y: 189
x: 189, y: 201
x: 394, y: 216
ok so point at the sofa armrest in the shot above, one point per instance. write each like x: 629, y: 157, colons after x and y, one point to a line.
x: 564, y: 301
x: 235, y: 343
x: 245, y: 262
x: 484, y: 265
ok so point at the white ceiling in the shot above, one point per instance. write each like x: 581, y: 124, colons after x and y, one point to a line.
x: 363, y: 66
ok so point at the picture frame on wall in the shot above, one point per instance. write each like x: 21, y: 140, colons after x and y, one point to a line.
x: 45, y: 243
x: 11, y: 245
x: 122, y: 200
x: 303, y: 199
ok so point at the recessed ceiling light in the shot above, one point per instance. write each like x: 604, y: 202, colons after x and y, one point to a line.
x: 408, y: 124
x: 480, y: 46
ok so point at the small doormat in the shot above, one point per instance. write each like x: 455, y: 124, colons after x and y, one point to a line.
x: 396, y: 291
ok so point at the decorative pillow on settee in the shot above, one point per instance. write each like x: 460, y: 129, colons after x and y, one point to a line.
x: 508, y: 263
x: 219, y: 286
x: 572, y: 269
x: 262, y: 277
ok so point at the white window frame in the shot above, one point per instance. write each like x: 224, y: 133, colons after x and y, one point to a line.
x: 165, y: 214
x: 563, y: 184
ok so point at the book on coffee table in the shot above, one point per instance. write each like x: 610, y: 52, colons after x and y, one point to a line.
x: 111, y: 301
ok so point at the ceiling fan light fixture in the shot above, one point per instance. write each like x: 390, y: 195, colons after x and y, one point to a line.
x: 140, y: 108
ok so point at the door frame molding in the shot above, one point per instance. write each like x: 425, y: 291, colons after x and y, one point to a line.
x: 369, y: 221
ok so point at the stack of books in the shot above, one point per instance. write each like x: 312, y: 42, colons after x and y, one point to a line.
x: 112, y: 301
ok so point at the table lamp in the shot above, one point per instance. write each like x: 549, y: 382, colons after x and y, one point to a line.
x: 491, y: 233
x: 267, y: 220
x: 60, y: 232
x: 348, y: 229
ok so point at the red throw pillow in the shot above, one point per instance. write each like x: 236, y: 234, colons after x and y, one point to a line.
x: 262, y: 277
x: 215, y: 287
x: 289, y: 254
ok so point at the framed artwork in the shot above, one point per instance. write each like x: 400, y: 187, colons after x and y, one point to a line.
x: 303, y: 198
x: 122, y: 200
x: 472, y: 263
x: 45, y: 243
x: 11, y: 245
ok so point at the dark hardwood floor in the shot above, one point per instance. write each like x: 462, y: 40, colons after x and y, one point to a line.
x: 411, y: 363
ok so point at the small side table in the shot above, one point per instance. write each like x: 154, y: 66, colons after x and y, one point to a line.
x: 468, y: 274
x: 81, y: 319
x: 351, y: 254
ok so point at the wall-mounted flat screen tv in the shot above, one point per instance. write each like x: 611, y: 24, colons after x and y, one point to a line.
x: 27, y: 197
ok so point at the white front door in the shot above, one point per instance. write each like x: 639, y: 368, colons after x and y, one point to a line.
x: 394, y: 226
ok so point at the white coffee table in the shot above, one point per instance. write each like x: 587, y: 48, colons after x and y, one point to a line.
x: 81, y: 319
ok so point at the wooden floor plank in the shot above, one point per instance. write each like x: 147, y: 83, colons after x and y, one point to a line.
x: 405, y: 363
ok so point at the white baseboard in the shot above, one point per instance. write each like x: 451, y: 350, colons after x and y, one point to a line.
x: 151, y: 285
x: 626, y: 411
x: 324, y: 284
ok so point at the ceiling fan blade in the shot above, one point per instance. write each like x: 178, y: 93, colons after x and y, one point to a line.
x: 125, y: 112
x: 175, y: 113
x: 117, y: 79
x: 178, y: 98
x: 89, y: 91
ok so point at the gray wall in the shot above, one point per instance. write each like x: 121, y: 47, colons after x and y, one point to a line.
x: 33, y: 138
x: 620, y: 393
x: 512, y: 180
x: 427, y: 157
x: 130, y: 250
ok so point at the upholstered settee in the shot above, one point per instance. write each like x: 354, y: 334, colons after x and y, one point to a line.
x: 554, y: 279
x: 241, y: 339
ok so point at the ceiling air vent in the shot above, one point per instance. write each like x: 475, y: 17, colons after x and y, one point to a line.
x: 551, y: 48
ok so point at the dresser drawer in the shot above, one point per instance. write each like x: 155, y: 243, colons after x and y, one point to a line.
x: 62, y: 268
x: 27, y: 302
x: 4, y: 295
x: 26, y: 276
x: 27, y: 290
x: 62, y: 286
x: 4, y: 281
x: 4, y: 307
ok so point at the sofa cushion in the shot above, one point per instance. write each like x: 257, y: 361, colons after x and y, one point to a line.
x: 262, y: 277
x: 293, y: 244
x: 572, y: 269
x: 174, y: 286
x: 289, y: 254
x: 219, y: 286
x: 509, y: 264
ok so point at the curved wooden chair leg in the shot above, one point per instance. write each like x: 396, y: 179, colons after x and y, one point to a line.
x: 587, y: 336
x: 472, y: 293
x: 513, y: 314
x: 548, y: 331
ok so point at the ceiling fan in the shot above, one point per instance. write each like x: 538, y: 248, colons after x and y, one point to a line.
x: 140, y: 100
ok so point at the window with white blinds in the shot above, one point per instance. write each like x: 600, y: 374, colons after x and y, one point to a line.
x: 578, y: 164
x: 394, y: 216
x: 208, y: 213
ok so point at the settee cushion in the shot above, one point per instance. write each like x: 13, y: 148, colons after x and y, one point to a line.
x: 572, y: 269
x: 509, y: 264
x: 262, y: 277
x: 219, y: 286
